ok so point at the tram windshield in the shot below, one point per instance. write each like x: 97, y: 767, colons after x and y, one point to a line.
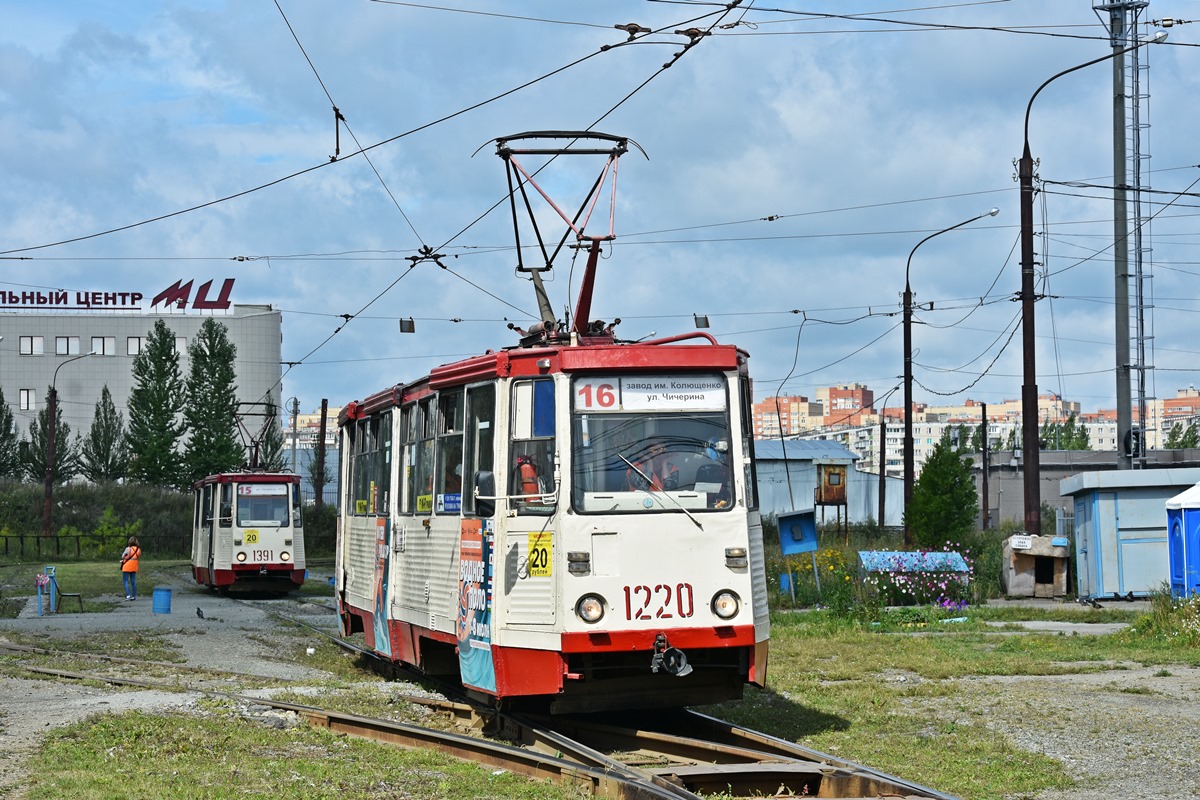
x: 263, y: 505
x: 667, y: 447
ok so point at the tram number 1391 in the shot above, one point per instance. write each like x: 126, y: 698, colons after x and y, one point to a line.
x: 660, y: 602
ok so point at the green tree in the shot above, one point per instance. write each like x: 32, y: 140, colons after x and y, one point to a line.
x: 1191, y: 437
x: 155, y: 411
x: 214, y: 444
x: 961, y: 435
x: 1181, y: 438
x: 944, y: 503
x: 1069, y: 435
x: 977, y: 438
x: 104, y: 455
x: 33, y: 450
x: 270, y: 442
x: 10, y: 442
x: 1174, y: 437
x: 310, y: 470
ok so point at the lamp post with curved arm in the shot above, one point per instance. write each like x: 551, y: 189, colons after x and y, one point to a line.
x: 908, y: 401
x: 51, y: 431
x: 1029, y: 396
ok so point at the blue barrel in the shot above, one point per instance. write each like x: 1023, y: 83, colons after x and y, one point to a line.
x: 162, y: 600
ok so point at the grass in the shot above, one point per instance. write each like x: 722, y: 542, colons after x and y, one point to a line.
x: 91, y: 579
x: 863, y: 692
x: 223, y: 755
x: 863, y: 684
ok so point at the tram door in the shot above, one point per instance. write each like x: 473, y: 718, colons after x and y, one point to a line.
x: 529, y: 581
x: 205, y: 535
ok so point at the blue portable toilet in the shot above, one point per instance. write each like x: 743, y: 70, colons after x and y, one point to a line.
x: 1183, y: 542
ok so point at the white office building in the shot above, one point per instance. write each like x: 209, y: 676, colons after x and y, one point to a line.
x: 44, y: 335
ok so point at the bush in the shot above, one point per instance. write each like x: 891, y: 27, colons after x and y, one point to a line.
x: 1170, y: 618
x: 95, y: 518
x: 320, y: 530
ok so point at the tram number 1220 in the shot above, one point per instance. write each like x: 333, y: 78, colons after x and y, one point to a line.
x: 659, y: 602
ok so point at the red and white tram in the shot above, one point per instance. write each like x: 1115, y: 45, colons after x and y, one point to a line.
x: 572, y: 520
x: 247, y: 530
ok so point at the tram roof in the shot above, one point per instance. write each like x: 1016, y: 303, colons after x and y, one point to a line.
x: 673, y: 353
x: 248, y: 477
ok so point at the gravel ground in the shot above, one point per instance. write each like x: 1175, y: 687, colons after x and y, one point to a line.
x: 1127, y: 732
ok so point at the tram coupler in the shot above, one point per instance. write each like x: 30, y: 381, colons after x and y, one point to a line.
x: 670, y: 659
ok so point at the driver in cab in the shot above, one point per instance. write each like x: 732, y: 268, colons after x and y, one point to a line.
x: 656, y: 471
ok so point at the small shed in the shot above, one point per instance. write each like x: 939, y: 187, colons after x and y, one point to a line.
x: 1183, y: 542
x: 808, y: 468
x: 1034, y: 566
x: 1120, y: 529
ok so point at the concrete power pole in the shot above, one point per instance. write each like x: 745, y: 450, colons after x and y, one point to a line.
x: 295, y: 414
x: 319, y: 470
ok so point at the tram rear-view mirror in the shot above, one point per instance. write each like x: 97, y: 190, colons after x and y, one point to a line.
x: 485, y: 486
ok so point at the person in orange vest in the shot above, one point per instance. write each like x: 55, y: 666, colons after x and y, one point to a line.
x: 657, y: 467
x: 129, y: 567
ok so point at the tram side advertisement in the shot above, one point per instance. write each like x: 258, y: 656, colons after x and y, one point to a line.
x: 475, y: 605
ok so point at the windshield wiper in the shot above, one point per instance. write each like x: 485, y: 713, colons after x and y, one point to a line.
x: 650, y: 488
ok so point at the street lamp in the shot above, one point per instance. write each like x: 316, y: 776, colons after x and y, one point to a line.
x: 908, y: 401
x: 1029, y: 396
x: 51, y: 428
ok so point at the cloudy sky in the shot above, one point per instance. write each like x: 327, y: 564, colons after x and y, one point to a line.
x: 796, y: 155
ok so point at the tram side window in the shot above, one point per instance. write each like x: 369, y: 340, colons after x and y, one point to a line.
x: 746, y: 392
x: 408, y: 438
x: 346, y: 465
x: 532, y: 459
x: 450, y: 449
x: 297, y: 505
x: 364, y: 449
x: 225, y: 512
x: 478, y: 458
x: 372, y: 464
x: 383, y: 463
x: 423, y: 461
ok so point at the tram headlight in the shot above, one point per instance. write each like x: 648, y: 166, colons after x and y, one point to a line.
x: 590, y: 608
x: 725, y: 604
x: 241, y: 556
x: 285, y: 556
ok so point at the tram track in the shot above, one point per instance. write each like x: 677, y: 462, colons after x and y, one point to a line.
x: 660, y: 754
x: 681, y: 754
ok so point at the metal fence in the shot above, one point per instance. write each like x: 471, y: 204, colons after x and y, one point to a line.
x: 329, y: 496
x: 91, y: 545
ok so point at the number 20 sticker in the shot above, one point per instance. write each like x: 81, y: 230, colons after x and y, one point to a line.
x: 541, y: 550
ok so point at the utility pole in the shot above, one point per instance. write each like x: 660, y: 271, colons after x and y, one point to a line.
x: 319, y: 470
x: 48, y: 487
x: 295, y: 414
x: 882, y: 467
x: 1118, y: 35
x: 983, y: 428
x: 1029, y: 407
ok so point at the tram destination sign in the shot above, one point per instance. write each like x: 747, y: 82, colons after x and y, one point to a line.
x: 651, y: 393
